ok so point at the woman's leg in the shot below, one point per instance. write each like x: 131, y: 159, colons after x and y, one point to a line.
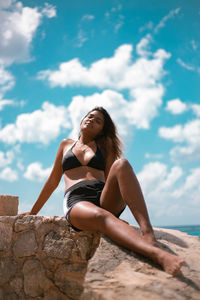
x: 87, y: 216
x: 123, y: 187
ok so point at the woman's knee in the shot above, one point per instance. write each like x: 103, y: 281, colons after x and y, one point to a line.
x: 100, y: 216
x: 122, y: 164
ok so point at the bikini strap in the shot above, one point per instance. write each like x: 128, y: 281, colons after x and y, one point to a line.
x: 73, y: 145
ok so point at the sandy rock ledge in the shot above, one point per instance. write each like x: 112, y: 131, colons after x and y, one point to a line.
x: 44, y: 258
x: 114, y: 273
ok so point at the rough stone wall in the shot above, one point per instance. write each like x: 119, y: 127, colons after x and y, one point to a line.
x: 43, y: 258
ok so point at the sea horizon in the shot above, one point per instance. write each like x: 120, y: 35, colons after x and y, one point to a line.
x: 193, y: 230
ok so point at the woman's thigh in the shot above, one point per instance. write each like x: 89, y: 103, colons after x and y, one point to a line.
x: 87, y: 216
x: 111, y: 198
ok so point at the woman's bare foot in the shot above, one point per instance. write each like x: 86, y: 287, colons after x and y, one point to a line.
x: 171, y: 263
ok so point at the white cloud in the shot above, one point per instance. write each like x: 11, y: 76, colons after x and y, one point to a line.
x: 191, y: 188
x: 6, y: 3
x: 49, y: 11
x: 6, y: 158
x: 6, y: 81
x: 18, y: 25
x: 176, y: 106
x: 81, y: 38
x: 142, y: 79
x: 35, y: 172
x: 143, y: 45
x: 146, y: 104
x: 5, y: 102
x: 157, y: 184
x: 196, y: 109
x: 84, y: 31
x: 39, y: 126
x: 156, y: 173
x: 8, y: 174
x: 119, y: 24
x: 153, y: 156
x: 194, y: 45
x: 170, y: 15
x: 87, y: 18
x: 20, y: 165
x: 116, y: 72
x: 168, y: 192
x: 187, y: 134
x: 115, y: 18
x: 125, y: 114
x: 148, y: 26
x: 47, y: 123
x: 103, y: 73
x: 172, y: 133
x: 184, y: 65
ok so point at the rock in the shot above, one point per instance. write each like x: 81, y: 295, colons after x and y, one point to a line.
x: 26, y: 245
x: 8, y: 205
x: 69, y: 278
x: 56, y: 246
x: 17, y: 284
x: 115, y: 273
x: 35, y: 281
x: 25, y: 224
x: 7, y: 270
x: 44, y: 258
x: 5, y: 236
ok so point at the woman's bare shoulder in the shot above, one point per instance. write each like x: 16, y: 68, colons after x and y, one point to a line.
x: 65, y: 143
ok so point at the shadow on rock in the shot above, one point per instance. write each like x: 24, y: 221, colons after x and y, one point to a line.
x: 163, y: 235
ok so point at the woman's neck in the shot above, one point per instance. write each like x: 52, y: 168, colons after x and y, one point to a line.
x: 85, y: 139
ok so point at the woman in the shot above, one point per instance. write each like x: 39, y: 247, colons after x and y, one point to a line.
x: 99, y: 185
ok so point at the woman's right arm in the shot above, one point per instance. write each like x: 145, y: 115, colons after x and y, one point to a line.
x: 52, y: 181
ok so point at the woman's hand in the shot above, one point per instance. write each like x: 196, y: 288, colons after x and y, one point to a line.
x: 24, y: 213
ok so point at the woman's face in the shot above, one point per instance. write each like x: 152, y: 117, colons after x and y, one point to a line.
x: 93, y: 123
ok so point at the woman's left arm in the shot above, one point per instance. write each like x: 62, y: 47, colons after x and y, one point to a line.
x: 110, y: 157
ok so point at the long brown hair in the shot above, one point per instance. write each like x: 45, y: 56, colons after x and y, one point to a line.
x: 109, y: 135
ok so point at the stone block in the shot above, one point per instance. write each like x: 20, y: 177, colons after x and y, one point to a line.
x: 5, y: 236
x: 26, y: 245
x: 17, y: 284
x: 69, y: 278
x: 58, y: 246
x: 35, y: 280
x: 8, y: 205
x: 7, y: 270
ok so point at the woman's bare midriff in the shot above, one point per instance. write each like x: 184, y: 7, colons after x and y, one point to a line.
x: 82, y: 173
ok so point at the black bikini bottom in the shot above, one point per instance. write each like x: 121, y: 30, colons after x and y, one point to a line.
x: 87, y: 190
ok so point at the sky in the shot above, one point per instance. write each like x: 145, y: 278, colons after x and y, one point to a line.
x: 139, y: 59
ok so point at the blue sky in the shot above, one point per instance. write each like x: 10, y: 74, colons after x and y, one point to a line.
x: 138, y: 59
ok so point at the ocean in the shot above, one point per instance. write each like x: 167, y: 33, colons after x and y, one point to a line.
x: 190, y: 229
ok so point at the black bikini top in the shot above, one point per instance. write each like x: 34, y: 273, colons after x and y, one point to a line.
x: 70, y: 161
